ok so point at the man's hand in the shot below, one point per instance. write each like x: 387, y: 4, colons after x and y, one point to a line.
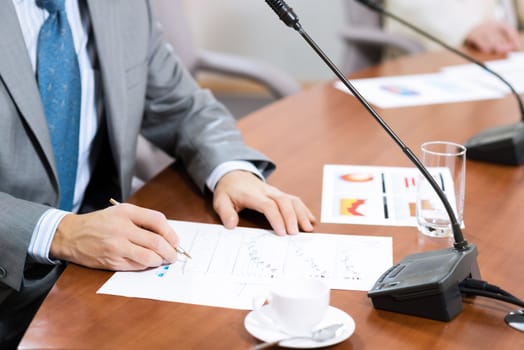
x: 239, y: 190
x: 494, y: 38
x: 122, y: 237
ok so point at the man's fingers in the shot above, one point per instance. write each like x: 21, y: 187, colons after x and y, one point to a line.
x: 239, y: 189
x: 153, y: 222
x: 142, y: 257
x: 306, y: 219
x: 156, y: 245
x: 226, y: 210
x: 273, y: 214
x: 287, y: 211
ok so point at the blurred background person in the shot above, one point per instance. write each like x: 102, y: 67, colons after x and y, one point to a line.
x: 489, y: 26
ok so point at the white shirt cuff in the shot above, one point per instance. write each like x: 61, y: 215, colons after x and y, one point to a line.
x: 227, y: 167
x: 43, y: 235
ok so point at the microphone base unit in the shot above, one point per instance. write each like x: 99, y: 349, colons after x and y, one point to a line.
x: 427, y: 284
x: 503, y: 145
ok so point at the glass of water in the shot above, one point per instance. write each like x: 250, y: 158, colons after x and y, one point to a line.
x: 446, y: 162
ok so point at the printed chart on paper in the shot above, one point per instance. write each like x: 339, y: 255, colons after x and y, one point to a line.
x: 231, y: 268
x: 375, y: 195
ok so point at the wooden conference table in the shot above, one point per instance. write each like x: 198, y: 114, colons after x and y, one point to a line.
x: 302, y: 133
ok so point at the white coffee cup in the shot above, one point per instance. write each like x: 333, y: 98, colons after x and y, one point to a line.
x: 297, y: 305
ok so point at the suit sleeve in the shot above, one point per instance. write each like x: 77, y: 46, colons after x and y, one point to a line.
x: 19, y: 218
x: 187, y: 121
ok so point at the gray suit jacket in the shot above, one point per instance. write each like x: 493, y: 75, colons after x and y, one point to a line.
x: 145, y: 90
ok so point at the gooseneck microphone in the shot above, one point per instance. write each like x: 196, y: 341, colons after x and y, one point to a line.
x: 424, y: 284
x: 495, y: 145
x: 287, y: 15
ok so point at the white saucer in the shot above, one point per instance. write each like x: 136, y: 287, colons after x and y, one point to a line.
x: 259, y: 327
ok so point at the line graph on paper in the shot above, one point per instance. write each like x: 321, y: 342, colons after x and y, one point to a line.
x: 231, y: 268
x: 258, y: 256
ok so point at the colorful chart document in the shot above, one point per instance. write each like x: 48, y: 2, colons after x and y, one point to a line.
x: 371, y: 195
x: 420, y: 89
x: 457, y: 83
x: 235, y: 268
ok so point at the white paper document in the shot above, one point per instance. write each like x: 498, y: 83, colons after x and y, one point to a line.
x: 421, y: 89
x: 465, y: 82
x: 373, y: 195
x: 511, y: 69
x: 234, y: 268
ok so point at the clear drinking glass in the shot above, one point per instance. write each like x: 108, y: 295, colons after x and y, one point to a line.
x: 446, y: 162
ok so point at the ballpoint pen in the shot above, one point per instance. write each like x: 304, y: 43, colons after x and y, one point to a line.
x: 179, y: 249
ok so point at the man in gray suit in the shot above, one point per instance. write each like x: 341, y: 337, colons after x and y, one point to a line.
x: 131, y: 83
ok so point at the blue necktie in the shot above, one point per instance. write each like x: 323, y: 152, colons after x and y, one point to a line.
x: 60, y: 90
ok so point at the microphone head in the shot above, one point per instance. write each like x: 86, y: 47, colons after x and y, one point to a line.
x: 285, y: 13
x: 503, y: 145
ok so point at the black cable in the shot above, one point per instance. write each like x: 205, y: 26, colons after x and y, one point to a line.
x: 481, y: 288
x: 491, y: 295
x: 483, y: 285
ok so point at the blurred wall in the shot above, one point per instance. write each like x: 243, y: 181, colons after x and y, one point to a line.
x: 251, y: 28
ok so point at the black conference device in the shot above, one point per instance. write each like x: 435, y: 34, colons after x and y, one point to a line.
x: 504, y: 144
x: 424, y: 284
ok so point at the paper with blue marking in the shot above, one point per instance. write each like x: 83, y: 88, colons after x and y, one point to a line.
x: 232, y: 268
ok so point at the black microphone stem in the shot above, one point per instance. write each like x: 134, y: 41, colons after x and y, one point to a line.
x: 287, y: 15
x: 460, y: 243
x: 381, y: 9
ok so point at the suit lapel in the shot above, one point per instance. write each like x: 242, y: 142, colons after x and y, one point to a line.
x: 106, y: 26
x: 18, y: 76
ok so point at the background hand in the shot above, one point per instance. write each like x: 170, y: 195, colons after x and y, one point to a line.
x: 239, y: 190
x: 122, y: 237
x: 493, y: 37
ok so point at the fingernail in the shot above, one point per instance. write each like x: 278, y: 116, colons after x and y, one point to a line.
x: 230, y: 223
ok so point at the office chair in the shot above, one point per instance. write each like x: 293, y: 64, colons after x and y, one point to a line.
x: 178, y: 32
x: 176, y: 28
x: 365, y: 41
